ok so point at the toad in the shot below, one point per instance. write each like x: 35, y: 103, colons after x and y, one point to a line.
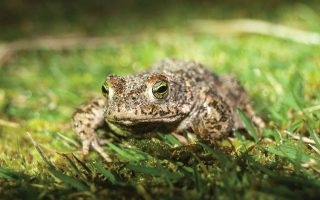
x: 174, y: 96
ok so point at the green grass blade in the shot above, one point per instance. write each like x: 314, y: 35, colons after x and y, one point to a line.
x: 40, y: 151
x: 123, y: 153
x: 197, y: 177
x: 223, y: 159
x: 137, y: 153
x: 294, y: 126
x: 74, y: 166
x: 290, y: 153
x: 83, y: 165
x: 106, y: 173
x: 252, y: 132
x: 273, y: 133
x: 171, y: 140
x: 10, y: 174
x: 316, y: 138
x: 297, y: 91
x: 6, y: 176
x: 69, y: 180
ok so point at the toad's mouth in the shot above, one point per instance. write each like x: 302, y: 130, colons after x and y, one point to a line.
x: 128, y: 120
x: 137, y: 125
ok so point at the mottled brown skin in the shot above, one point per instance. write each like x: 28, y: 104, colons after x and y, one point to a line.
x: 198, y: 102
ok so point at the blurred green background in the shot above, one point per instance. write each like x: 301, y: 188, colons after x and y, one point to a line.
x: 35, y: 17
x: 43, y: 81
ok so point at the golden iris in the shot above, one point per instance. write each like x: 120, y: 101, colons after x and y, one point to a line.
x: 160, y: 89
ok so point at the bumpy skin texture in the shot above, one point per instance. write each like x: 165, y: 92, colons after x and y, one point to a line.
x: 197, y: 101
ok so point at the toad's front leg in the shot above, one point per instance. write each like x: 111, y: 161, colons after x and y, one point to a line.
x: 214, y: 120
x: 86, y: 120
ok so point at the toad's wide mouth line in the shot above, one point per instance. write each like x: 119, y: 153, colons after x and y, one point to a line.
x: 136, y: 120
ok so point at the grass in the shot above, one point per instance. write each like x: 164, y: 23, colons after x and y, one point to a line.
x: 39, y: 90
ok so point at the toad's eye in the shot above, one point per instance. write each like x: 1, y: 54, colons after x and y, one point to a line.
x: 160, y: 89
x: 105, y: 89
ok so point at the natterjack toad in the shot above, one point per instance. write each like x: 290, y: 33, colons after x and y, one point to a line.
x: 174, y: 96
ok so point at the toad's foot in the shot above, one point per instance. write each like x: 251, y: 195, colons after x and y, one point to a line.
x: 95, y: 143
x: 86, y: 120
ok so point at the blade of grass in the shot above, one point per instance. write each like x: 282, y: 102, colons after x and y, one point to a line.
x: 69, y: 180
x: 123, y: 153
x: 83, y: 165
x: 197, y: 178
x: 73, y: 166
x: 10, y: 174
x: 294, y: 126
x: 273, y: 133
x: 68, y: 140
x: 252, y: 132
x: 297, y: 91
x: 65, y: 178
x: 106, y: 173
x: 171, y: 140
x: 314, y: 148
x: 40, y: 151
x: 288, y: 152
x: 315, y: 138
x: 6, y: 176
x: 223, y: 159
x: 136, y: 153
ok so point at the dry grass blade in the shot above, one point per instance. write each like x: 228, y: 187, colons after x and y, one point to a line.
x: 39, y: 149
x: 302, y: 138
x: 314, y: 148
x: 9, y: 124
x: 142, y: 191
x: 52, y: 43
x: 310, y: 109
x: 70, y: 141
x: 249, y: 26
x: 312, y: 165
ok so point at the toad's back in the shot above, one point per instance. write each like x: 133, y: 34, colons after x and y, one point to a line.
x: 226, y: 86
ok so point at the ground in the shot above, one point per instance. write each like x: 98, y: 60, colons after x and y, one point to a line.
x: 41, y: 87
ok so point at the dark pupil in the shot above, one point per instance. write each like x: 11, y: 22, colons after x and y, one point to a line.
x: 162, y: 89
x: 104, y: 90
